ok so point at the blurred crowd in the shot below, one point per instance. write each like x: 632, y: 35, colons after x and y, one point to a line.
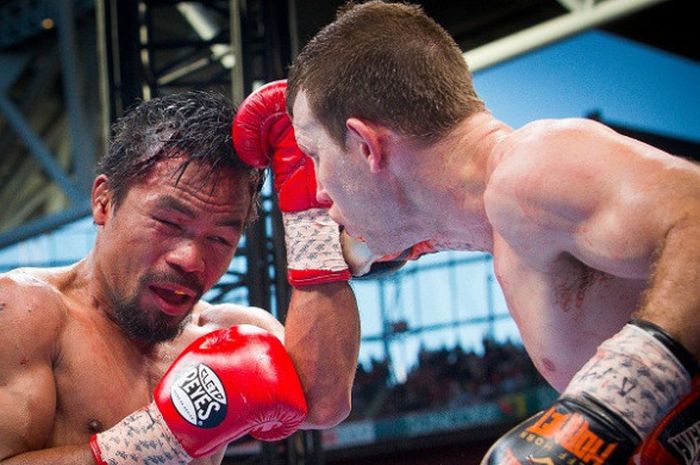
x: 443, y: 379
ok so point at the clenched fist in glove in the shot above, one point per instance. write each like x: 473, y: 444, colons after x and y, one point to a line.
x: 263, y: 136
x: 611, y: 404
x: 316, y: 251
x: 224, y: 385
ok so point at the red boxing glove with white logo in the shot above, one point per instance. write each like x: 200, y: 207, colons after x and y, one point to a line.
x: 263, y: 136
x: 224, y: 385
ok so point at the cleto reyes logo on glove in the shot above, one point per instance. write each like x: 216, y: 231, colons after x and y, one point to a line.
x: 199, y: 396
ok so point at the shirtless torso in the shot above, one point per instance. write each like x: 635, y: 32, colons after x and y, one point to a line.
x: 588, y: 228
x: 575, y: 215
x: 76, y: 373
x: 578, y: 215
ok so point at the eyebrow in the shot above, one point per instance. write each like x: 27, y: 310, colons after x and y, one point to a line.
x: 169, y: 202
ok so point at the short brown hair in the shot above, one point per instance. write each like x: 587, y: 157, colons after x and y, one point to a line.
x: 389, y: 63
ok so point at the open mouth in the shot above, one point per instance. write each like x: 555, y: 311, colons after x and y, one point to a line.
x: 173, y: 299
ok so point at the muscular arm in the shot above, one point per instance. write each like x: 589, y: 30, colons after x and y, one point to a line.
x: 617, y: 205
x: 67, y: 455
x: 673, y: 297
x: 29, y: 323
x: 322, y: 335
x: 661, y: 225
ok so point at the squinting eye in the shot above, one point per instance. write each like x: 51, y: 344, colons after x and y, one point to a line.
x: 167, y: 223
x: 220, y: 240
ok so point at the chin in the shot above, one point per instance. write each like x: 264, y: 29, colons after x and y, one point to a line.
x: 383, y: 248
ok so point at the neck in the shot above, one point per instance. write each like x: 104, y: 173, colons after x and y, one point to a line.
x: 451, y: 180
x: 89, y: 276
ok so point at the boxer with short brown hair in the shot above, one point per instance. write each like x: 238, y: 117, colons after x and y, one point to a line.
x: 588, y: 228
x: 117, y: 359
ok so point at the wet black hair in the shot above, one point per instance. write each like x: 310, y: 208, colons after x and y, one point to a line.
x: 193, y: 125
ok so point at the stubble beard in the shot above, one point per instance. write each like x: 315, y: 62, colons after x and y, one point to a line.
x: 149, y: 327
x: 143, y: 324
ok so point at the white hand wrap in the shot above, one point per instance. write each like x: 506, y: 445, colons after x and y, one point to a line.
x: 313, y: 241
x: 634, y: 375
x: 141, y: 438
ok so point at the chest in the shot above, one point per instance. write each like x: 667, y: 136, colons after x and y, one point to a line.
x: 100, y: 380
x: 563, y: 308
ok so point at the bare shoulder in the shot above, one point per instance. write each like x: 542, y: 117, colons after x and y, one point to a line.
x: 563, y: 125
x: 29, y: 299
x: 579, y: 187
x: 577, y: 164
x: 542, y: 176
x: 550, y: 139
x: 223, y: 315
x: 584, y: 142
x: 32, y: 315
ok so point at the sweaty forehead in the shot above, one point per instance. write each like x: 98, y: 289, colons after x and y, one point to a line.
x: 303, y: 117
x: 307, y: 129
x: 304, y: 141
x: 198, y: 181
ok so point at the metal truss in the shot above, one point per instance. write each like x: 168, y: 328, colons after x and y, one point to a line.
x: 45, y: 177
x: 582, y: 15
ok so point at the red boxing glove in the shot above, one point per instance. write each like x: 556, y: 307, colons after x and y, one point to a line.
x: 263, y: 136
x: 224, y: 385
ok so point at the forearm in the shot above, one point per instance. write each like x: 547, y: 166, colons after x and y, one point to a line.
x: 81, y: 455
x: 322, y: 335
x: 65, y: 455
x: 672, y: 300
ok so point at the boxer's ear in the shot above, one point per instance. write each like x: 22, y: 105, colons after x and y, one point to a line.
x: 367, y: 137
x: 100, y: 199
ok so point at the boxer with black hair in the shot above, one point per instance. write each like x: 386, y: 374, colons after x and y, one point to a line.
x: 117, y: 358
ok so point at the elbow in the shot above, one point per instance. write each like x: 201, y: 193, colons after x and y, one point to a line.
x: 326, y: 410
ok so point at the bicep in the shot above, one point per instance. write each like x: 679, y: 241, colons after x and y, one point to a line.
x: 27, y: 403
x: 619, y: 240
x: 578, y: 188
x: 626, y: 230
x: 29, y: 326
